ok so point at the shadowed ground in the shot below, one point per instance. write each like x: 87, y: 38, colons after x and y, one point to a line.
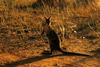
x: 38, y: 58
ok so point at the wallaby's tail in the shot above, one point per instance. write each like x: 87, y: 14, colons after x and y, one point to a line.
x: 71, y: 53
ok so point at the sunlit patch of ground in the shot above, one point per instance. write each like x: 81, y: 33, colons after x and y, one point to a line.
x: 7, y: 58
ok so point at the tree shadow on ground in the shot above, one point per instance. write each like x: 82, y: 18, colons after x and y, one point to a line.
x: 34, y: 59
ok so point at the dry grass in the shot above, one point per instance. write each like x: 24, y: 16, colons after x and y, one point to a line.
x: 77, y: 24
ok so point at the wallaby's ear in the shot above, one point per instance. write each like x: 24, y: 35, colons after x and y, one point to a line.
x: 49, y: 17
x: 47, y: 20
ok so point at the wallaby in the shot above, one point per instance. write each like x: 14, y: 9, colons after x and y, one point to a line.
x: 53, y: 38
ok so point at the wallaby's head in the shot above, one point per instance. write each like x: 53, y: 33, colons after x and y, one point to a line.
x: 45, y: 25
x: 47, y: 20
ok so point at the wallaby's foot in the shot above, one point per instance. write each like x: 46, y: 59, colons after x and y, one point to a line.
x: 51, y: 53
x: 46, y: 53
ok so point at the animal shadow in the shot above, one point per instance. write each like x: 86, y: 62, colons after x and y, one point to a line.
x: 33, y: 59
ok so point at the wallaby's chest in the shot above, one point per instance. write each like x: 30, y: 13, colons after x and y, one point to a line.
x: 46, y: 29
x: 50, y: 33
